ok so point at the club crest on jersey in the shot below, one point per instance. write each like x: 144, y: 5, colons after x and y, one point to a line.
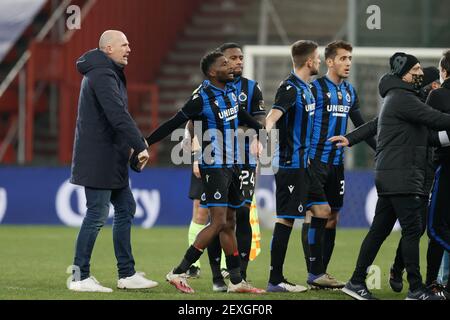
x: 217, y: 195
x: 242, y: 97
x: 348, y: 98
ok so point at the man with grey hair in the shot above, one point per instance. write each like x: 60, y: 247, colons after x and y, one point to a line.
x: 104, y: 138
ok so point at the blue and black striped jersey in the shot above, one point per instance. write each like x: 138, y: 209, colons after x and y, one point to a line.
x: 334, y: 104
x: 295, y: 99
x: 250, y: 96
x: 250, y: 99
x: 218, y: 110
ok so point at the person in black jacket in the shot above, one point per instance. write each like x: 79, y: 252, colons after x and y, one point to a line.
x: 435, y: 139
x: 401, y: 161
x: 104, y: 136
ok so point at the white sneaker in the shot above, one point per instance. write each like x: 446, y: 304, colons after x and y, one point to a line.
x: 243, y: 287
x: 88, y: 285
x: 286, y: 286
x: 179, y: 282
x: 136, y: 281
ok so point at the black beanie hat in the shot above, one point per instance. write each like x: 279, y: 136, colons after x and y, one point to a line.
x: 401, y: 63
x: 430, y: 74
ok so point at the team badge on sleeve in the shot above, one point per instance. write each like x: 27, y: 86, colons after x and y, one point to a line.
x: 242, y: 97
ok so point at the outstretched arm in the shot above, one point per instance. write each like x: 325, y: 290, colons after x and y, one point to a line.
x: 191, y: 109
x: 167, y: 128
x: 370, y: 131
x: 364, y: 132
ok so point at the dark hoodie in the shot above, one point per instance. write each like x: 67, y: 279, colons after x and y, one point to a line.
x: 401, y: 156
x: 105, y: 131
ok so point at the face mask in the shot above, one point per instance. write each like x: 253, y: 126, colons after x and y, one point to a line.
x: 417, y: 80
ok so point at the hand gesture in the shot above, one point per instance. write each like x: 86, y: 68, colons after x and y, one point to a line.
x: 340, y: 141
x: 256, y: 148
x: 143, y: 159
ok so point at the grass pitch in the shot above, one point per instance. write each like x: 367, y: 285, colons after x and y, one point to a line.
x: 34, y: 260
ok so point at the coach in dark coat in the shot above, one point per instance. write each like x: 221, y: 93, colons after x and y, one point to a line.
x: 105, y: 130
x: 104, y: 136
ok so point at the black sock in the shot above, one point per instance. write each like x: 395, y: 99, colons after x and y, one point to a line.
x: 192, y: 254
x: 278, y: 248
x: 234, y: 268
x: 214, y: 255
x: 244, y: 237
x: 315, y: 241
x: 305, y: 245
x: 329, y: 237
x: 244, y: 265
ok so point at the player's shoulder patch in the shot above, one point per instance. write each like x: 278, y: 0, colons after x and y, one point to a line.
x: 196, y: 98
x: 197, y: 90
x: 204, y: 85
x: 286, y: 86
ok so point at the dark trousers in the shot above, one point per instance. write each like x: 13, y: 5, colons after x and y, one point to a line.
x: 408, y: 210
x: 97, y: 202
x: 434, y: 255
x: 439, y: 216
x: 399, y: 264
